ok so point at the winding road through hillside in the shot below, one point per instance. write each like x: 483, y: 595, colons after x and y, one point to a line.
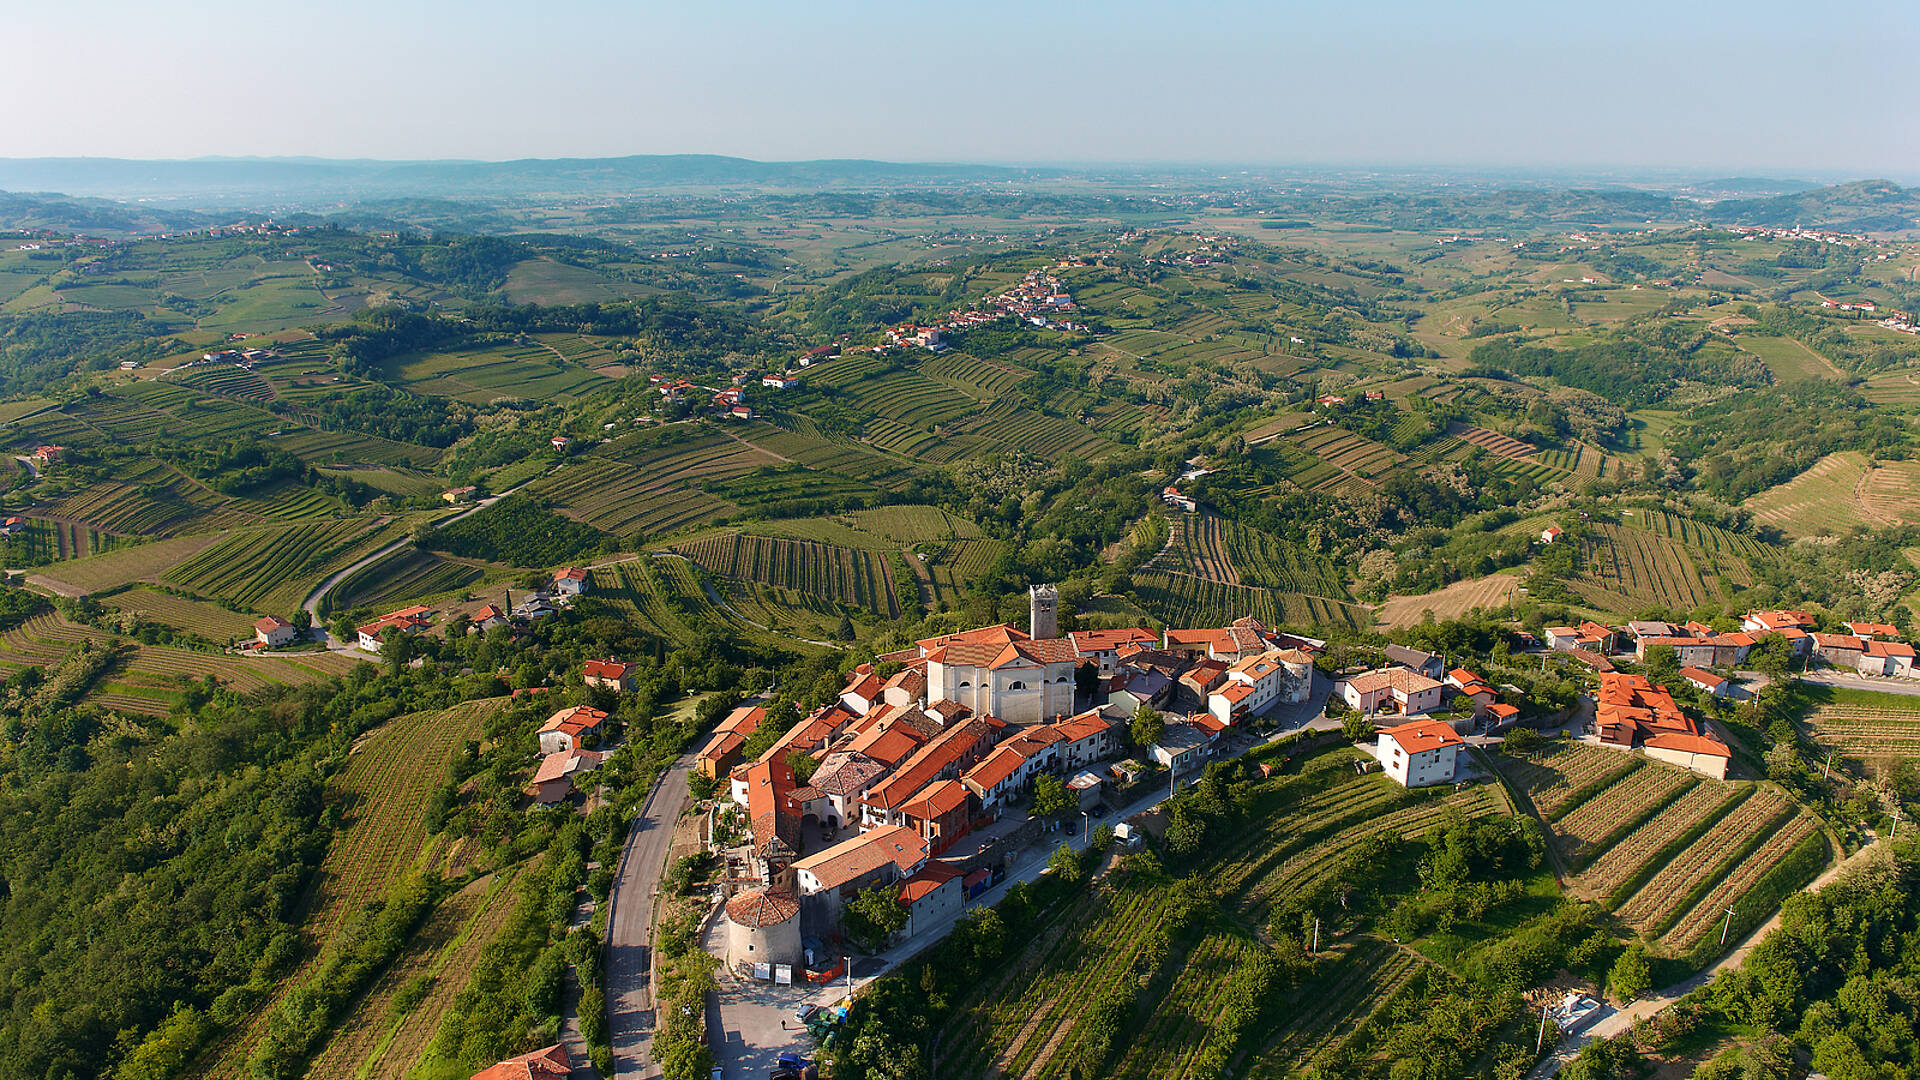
x: 630, y: 923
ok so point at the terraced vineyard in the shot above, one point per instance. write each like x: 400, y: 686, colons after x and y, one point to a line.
x: 840, y: 575
x: 1558, y: 777
x: 1668, y: 851
x: 984, y: 379
x: 210, y: 621
x: 1347, y: 452
x: 663, y: 593
x: 1710, y: 539
x: 1025, y: 1021
x: 272, y: 568
x: 408, y: 575
x: 1623, y: 569
x: 384, y: 788
x: 1181, y: 599
x: 1877, y: 731
x: 151, y: 678
x: 1233, y: 554
x: 623, y: 500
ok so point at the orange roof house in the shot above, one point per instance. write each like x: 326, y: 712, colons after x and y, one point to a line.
x: 564, y: 729
x: 551, y: 1063
x: 1423, y: 735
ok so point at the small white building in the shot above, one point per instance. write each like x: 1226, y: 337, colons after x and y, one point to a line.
x: 570, y: 582
x: 1551, y: 534
x: 272, y: 631
x: 1421, y: 753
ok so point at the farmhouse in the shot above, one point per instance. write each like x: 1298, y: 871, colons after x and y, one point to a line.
x: 1881, y: 631
x: 459, y: 494
x: 560, y: 443
x: 1886, y: 658
x: 780, y: 382
x: 272, y: 631
x: 13, y: 526
x: 47, y: 455
x: 1632, y: 711
x: 1390, y: 690
x: 410, y: 620
x: 565, y: 729
x: 1472, y: 687
x: 609, y: 674
x: 1256, y: 684
x: 489, y: 617
x: 554, y: 780
x: 1551, y: 534
x: 1762, y: 621
x: 1691, y: 651
x: 1419, y: 754
x: 932, y: 895
x: 570, y: 582
x: 552, y: 1063
x: 1840, y: 650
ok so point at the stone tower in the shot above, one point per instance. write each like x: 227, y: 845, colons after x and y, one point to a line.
x: 1044, y: 612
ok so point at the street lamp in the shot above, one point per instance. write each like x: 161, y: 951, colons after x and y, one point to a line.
x: 1086, y: 830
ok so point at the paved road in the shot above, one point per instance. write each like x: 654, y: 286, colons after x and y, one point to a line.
x: 630, y: 923
x: 320, y: 591
x: 1884, y: 685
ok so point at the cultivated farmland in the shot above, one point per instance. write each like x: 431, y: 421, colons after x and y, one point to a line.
x: 1452, y: 602
x: 272, y: 568
x: 1839, y: 492
x: 840, y: 575
x: 1625, y: 569
x: 1027, y: 1020
x: 1869, y: 726
x: 385, y: 786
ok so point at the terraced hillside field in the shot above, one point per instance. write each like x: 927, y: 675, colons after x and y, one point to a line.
x: 839, y: 575
x: 1028, y: 1020
x: 1842, y: 491
x: 383, y: 794
x: 1625, y: 569
x: 1181, y: 599
x: 1452, y: 602
x: 150, y: 678
x: 1666, y: 850
x: 1219, y: 550
x: 1868, y: 726
x: 272, y: 568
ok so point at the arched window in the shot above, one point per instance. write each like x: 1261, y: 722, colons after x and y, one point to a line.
x: 964, y: 684
x: 1017, y: 685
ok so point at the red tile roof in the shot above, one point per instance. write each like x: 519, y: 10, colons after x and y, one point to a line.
x: 762, y: 907
x: 936, y: 800
x: 926, y: 882
x: 863, y: 854
x: 1890, y: 648
x: 1703, y: 678
x: 551, y: 1063
x: 607, y: 669
x: 575, y: 721
x: 1692, y: 744
x: 1423, y: 735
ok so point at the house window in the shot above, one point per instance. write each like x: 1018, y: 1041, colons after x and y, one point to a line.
x: 1017, y: 685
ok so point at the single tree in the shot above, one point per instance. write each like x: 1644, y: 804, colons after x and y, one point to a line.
x: 1356, y: 726
x: 1051, y: 797
x: 1631, y: 976
x: 873, y: 916
x: 1147, y: 727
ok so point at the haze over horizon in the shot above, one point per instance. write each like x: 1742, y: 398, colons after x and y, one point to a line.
x: 1713, y: 87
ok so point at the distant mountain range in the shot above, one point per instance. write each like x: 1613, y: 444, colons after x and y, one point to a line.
x: 310, y: 179
x: 115, y: 195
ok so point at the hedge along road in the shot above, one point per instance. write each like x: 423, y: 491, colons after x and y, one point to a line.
x: 312, y: 603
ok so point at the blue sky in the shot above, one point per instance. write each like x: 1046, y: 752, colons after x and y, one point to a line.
x: 1715, y: 86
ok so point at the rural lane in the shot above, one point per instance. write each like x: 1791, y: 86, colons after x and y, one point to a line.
x: 1862, y: 682
x: 312, y: 603
x: 630, y: 923
x: 1619, y: 1021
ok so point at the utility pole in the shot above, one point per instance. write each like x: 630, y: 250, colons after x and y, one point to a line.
x: 1540, y: 1040
x: 1827, y: 766
x: 1724, y: 927
x: 1316, y: 935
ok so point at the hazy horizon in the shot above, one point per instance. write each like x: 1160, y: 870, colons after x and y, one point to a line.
x: 1707, y: 89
